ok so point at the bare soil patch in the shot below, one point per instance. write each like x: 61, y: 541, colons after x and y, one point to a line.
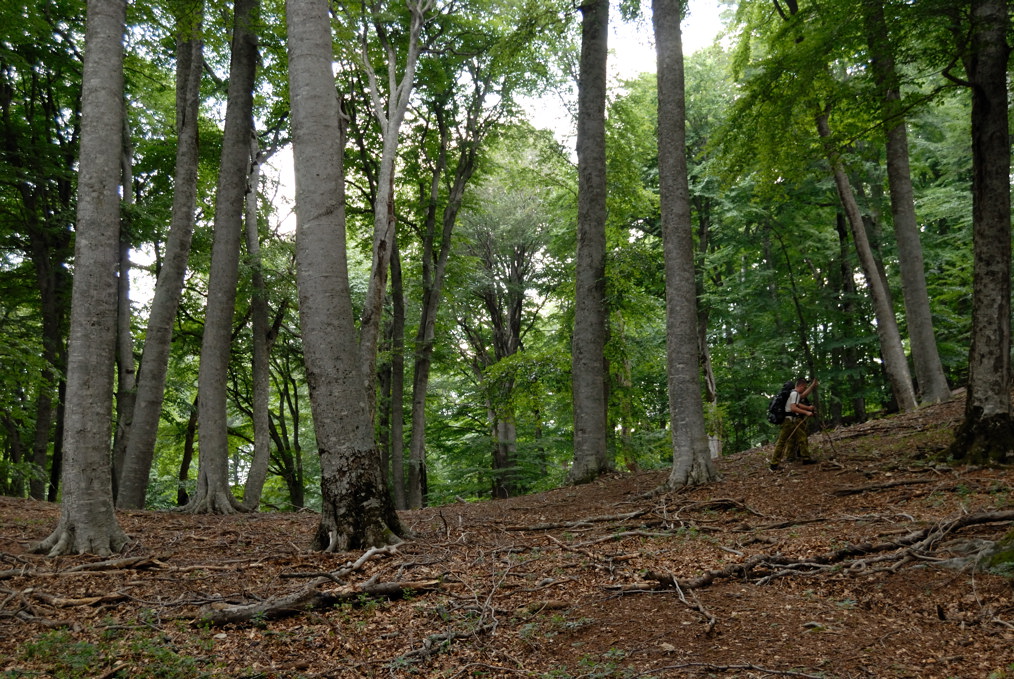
x: 837, y: 569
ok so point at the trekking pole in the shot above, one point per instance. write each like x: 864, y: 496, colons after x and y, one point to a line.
x: 830, y: 441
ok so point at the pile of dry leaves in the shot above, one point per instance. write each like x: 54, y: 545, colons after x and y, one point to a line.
x: 854, y: 567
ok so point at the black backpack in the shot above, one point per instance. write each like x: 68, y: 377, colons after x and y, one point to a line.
x: 776, y: 409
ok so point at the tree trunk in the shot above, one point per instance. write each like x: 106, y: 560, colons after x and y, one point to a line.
x: 847, y: 292
x: 397, y: 401
x: 213, y: 495
x: 589, y: 374
x: 356, y: 507
x: 505, y: 449
x: 929, y: 371
x: 260, y: 329
x: 892, y: 352
x: 151, y: 377
x: 126, y: 379
x: 691, y: 454
x: 987, y: 432
x: 189, y: 437
x: 434, y: 266
x: 87, y: 522
x: 389, y: 118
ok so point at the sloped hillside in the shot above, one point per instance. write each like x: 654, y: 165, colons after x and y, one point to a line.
x: 847, y: 568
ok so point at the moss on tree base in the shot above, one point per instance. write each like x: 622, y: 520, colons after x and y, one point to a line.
x: 1001, y: 557
x: 983, y: 440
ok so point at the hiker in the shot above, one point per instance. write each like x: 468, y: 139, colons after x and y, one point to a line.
x: 792, y: 442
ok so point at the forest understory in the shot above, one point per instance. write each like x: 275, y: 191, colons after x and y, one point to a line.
x: 857, y: 566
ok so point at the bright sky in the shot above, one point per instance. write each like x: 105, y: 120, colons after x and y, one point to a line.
x: 632, y: 45
x: 632, y: 52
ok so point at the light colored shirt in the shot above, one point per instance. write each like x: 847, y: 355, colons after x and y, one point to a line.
x: 793, y: 398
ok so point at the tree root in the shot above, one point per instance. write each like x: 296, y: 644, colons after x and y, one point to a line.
x: 909, y: 547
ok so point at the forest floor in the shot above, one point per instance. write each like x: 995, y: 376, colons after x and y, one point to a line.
x: 837, y: 569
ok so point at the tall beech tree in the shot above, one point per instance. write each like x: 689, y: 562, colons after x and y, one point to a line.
x: 213, y: 494
x: 356, y: 506
x: 929, y: 371
x: 987, y: 432
x: 139, y: 448
x: 589, y: 373
x: 87, y: 522
x: 691, y: 454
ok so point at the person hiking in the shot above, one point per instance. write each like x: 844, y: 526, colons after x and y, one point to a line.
x: 792, y: 441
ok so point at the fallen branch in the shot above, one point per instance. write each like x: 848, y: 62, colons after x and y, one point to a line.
x: 858, y: 490
x: 308, y: 599
x: 728, y: 668
x: 133, y: 562
x: 580, y: 522
x: 64, y: 602
x: 909, y: 545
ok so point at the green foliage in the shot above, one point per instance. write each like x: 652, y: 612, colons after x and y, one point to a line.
x: 66, y: 657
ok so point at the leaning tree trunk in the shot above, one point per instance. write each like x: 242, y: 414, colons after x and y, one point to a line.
x: 895, y: 362
x: 691, y: 454
x: 151, y: 377
x: 260, y: 331
x: 87, y: 522
x: 929, y: 370
x: 589, y: 374
x: 987, y: 432
x: 213, y: 495
x: 356, y: 509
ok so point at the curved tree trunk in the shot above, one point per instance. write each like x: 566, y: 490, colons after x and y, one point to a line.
x: 213, y: 495
x: 987, y: 433
x: 691, y: 454
x: 139, y: 447
x: 87, y: 522
x: 356, y: 507
x: 895, y: 362
x: 929, y: 371
x: 390, y: 115
x: 589, y: 374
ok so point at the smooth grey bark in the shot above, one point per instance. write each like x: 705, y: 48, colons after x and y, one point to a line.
x: 260, y: 330
x: 987, y: 432
x: 87, y: 521
x: 691, y: 454
x: 126, y: 365
x: 213, y: 495
x: 390, y: 114
x: 356, y: 508
x: 588, y: 363
x: 139, y: 447
x: 929, y: 371
x: 892, y: 352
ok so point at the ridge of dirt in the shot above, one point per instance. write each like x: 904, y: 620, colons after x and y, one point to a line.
x: 834, y: 570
